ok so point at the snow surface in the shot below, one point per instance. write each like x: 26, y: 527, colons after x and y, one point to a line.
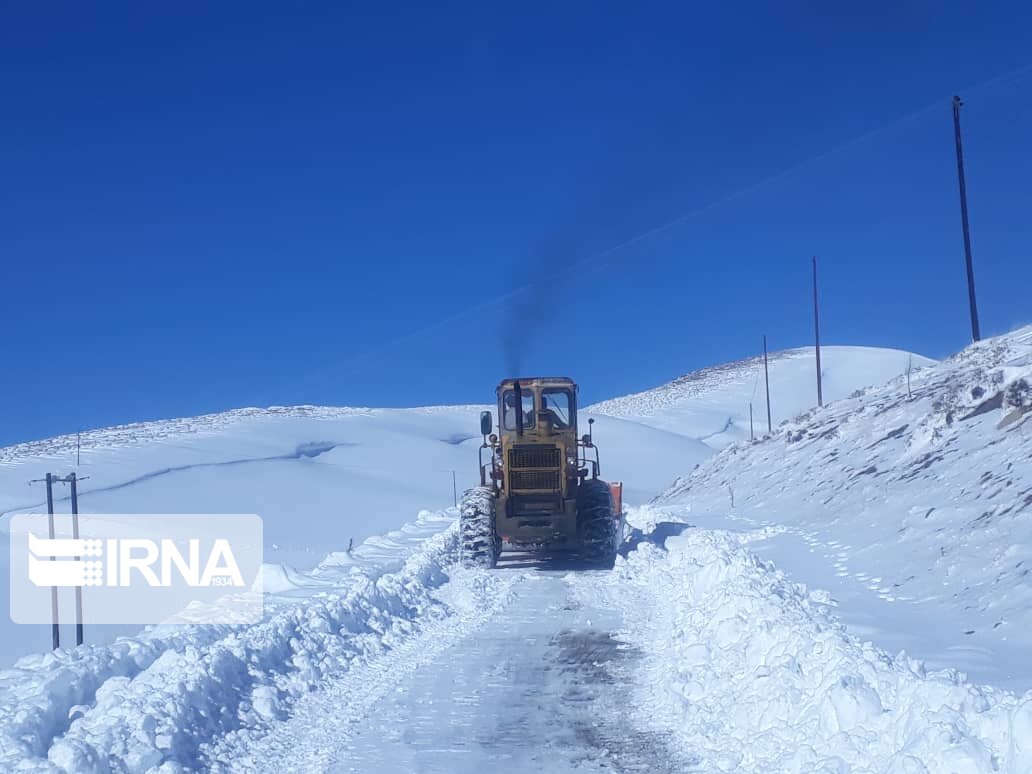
x: 319, y: 477
x: 693, y: 654
x: 159, y: 697
x: 915, y: 510
x: 712, y: 404
x: 749, y: 671
x: 895, y: 521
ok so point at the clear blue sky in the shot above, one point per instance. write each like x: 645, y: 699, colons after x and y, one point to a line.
x: 206, y: 206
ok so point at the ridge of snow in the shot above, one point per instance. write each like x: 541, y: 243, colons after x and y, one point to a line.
x: 751, y: 672
x: 136, y: 433
x: 155, y: 698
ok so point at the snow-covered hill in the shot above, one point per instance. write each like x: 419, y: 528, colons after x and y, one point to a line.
x: 913, y: 509
x: 324, y: 477
x: 319, y: 477
x: 712, y: 404
x: 897, y: 518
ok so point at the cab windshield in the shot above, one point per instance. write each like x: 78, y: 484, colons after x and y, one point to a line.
x: 509, y: 409
x: 557, y: 405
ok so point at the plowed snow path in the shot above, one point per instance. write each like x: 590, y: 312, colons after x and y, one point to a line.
x: 692, y: 654
x: 538, y: 689
x: 542, y: 686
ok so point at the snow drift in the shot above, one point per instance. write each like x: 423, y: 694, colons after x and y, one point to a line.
x: 750, y: 672
x: 157, y: 698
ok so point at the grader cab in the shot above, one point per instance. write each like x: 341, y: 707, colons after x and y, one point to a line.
x: 539, y: 481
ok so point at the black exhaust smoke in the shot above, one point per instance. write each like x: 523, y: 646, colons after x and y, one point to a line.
x: 645, y: 181
x: 537, y: 303
x: 595, y: 234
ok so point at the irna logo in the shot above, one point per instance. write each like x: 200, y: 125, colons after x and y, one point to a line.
x: 120, y: 562
x: 137, y: 568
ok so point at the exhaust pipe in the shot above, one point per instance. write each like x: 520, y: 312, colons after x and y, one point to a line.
x: 518, y: 398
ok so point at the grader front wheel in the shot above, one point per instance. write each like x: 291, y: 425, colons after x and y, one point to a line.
x: 596, y: 524
x: 479, y: 545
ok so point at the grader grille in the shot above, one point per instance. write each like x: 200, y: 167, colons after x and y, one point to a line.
x: 534, y: 457
x: 534, y: 479
x: 535, y: 468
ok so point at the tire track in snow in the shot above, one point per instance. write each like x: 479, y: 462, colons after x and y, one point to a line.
x: 539, y: 682
x: 322, y: 723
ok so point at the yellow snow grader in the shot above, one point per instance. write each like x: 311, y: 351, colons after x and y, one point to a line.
x: 539, y: 482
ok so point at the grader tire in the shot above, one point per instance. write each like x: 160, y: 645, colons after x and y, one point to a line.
x: 479, y: 546
x: 596, y: 525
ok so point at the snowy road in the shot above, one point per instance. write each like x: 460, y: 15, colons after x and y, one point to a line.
x: 690, y: 655
x: 541, y: 686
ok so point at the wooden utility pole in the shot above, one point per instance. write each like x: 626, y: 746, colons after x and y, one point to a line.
x: 55, y: 629
x: 766, y: 380
x: 75, y: 536
x: 817, y: 334
x: 975, y: 333
x: 73, y: 480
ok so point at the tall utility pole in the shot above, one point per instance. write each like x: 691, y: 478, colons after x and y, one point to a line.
x: 72, y: 480
x: 766, y: 380
x: 817, y: 334
x: 55, y: 629
x: 975, y: 334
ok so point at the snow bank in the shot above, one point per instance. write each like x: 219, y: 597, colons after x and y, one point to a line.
x: 917, y: 499
x: 155, y: 699
x: 750, y: 672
